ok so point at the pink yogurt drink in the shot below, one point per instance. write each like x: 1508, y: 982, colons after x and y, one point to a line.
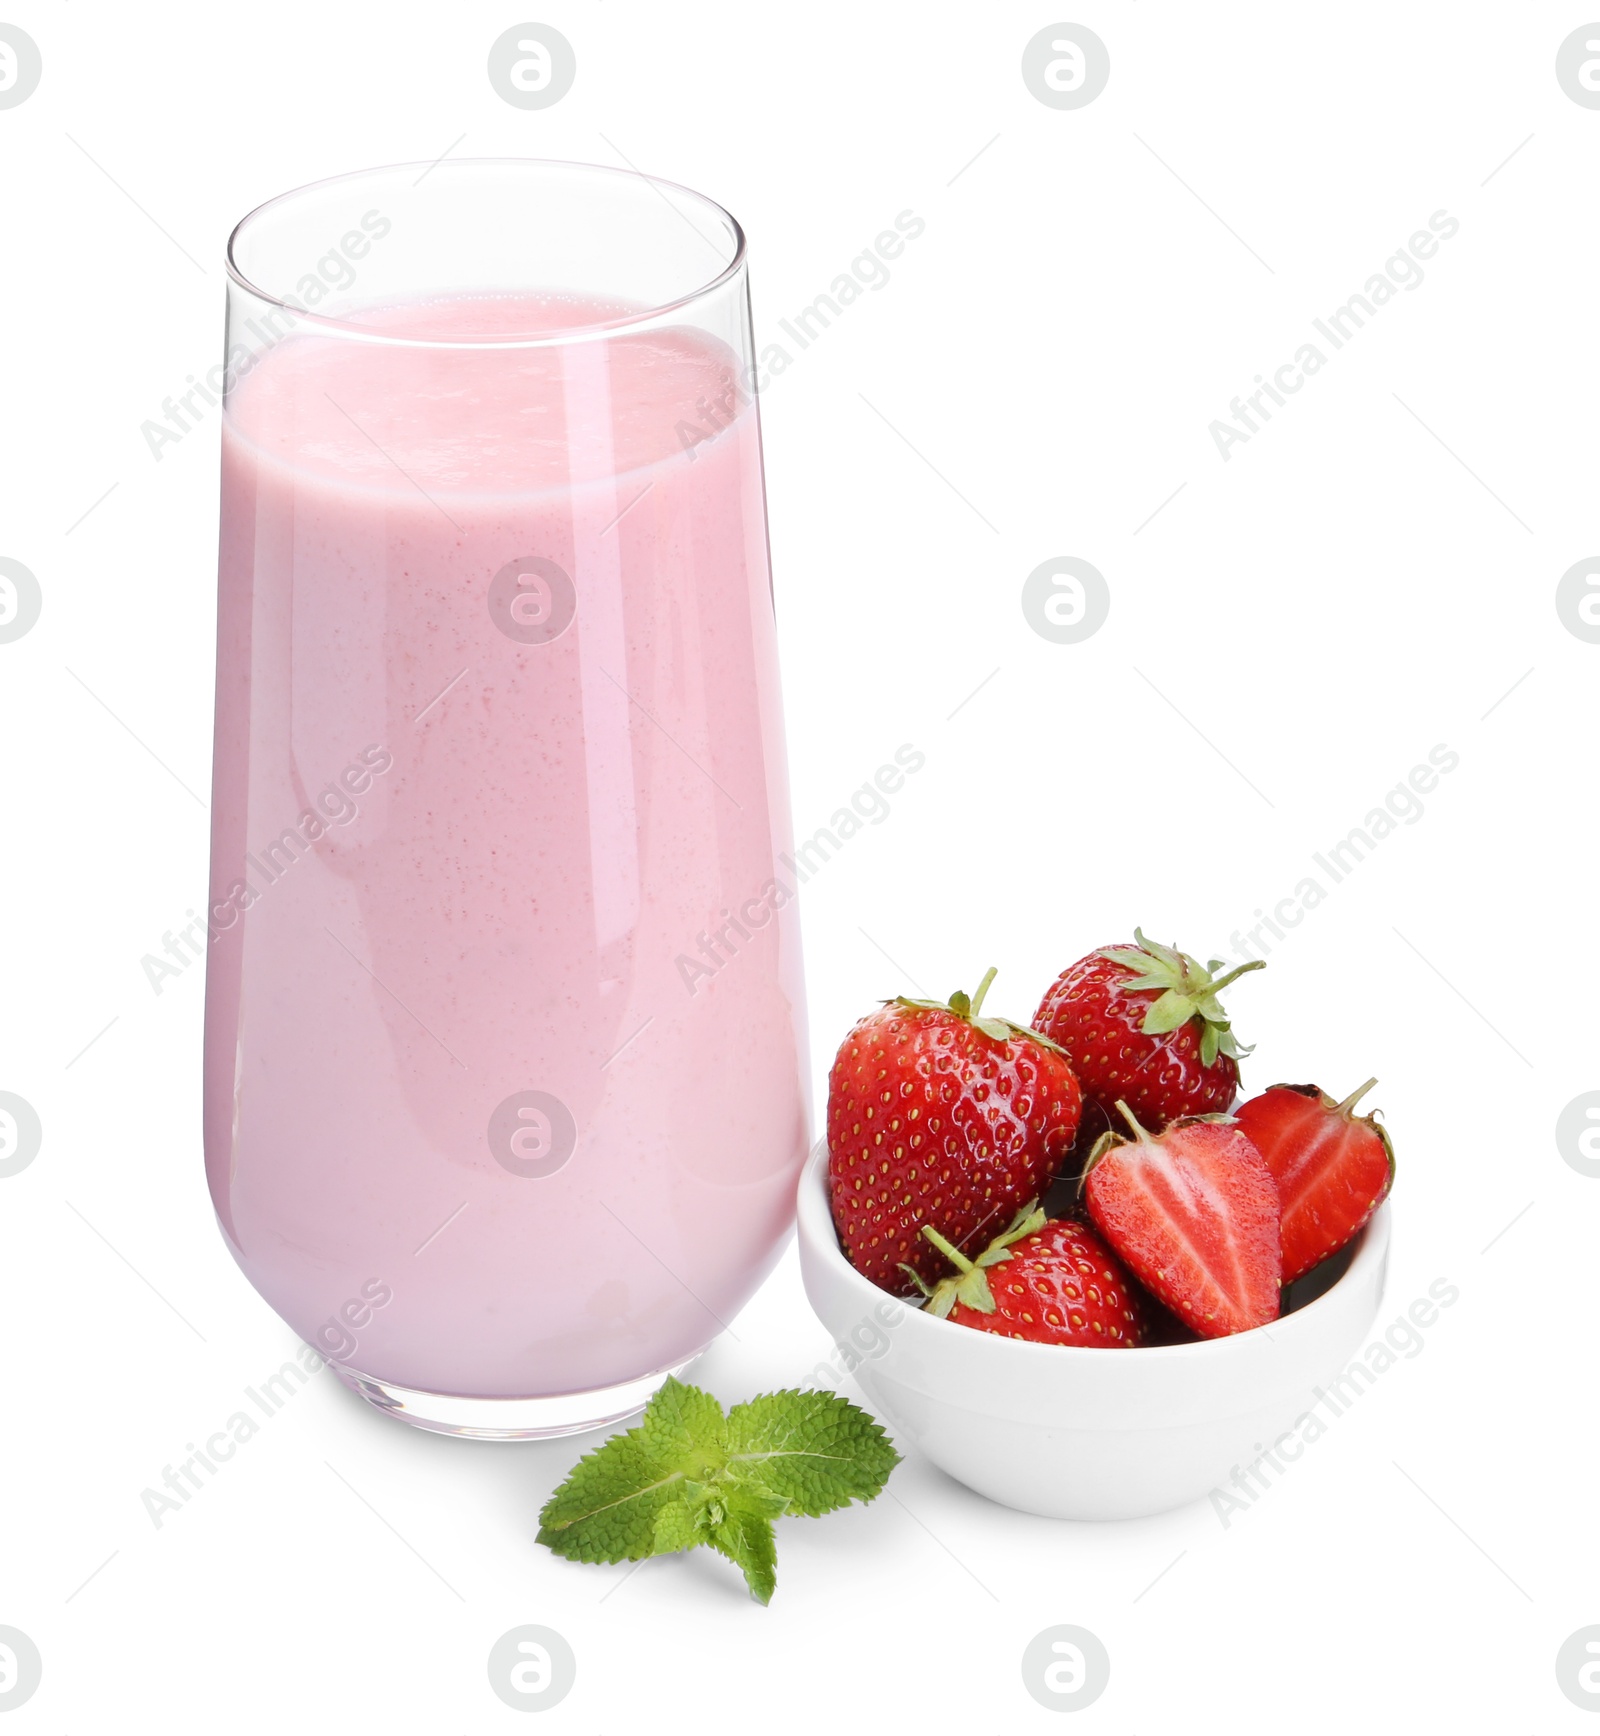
x: 505, y: 1028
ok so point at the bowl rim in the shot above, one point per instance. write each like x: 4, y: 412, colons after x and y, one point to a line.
x: 815, y: 1231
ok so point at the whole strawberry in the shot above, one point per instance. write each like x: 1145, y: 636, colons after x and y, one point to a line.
x: 1050, y: 1282
x: 1333, y: 1168
x: 1143, y: 1024
x: 940, y: 1115
x: 1193, y: 1211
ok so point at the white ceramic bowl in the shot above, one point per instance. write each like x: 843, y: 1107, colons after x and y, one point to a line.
x: 1083, y: 1434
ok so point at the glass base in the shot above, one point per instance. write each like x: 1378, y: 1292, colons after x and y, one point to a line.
x: 511, y: 1419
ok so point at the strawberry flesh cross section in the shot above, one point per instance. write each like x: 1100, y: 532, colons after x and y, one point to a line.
x: 1333, y: 1168
x: 1193, y: 1212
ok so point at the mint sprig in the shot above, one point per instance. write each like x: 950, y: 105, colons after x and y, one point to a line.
x: 688, y: 1475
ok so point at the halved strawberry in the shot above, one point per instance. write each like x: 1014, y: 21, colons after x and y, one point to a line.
x: 1193, y: 1211
x: 1333, y: 1168
x: 1050, y: 1282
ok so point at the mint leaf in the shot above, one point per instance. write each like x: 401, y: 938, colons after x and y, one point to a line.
x: 688, y: 1475
x: 607, y: 1508
x: 745, y: 1537
x: 682, y: 1426
x: 676, y: 1529
x: 815, y: 1450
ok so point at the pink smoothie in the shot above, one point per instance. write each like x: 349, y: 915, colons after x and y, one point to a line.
x: 452, y: 864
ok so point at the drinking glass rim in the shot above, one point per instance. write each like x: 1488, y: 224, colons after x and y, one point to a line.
x: 577, y: 333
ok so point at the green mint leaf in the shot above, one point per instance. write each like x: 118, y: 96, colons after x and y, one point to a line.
x: 815, y: 1450
x: 688, y: 1475
x: 755, y: 1499
x: 676, y: 1528
x: 745, y: 1537
x: 683, y: 1426
x: 607, y: 1508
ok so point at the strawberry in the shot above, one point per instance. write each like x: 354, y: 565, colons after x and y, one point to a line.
x: 1050, y: 1282
x: 1193, y: 1212
x: 938, y: 1114
x: 1333, y: 1168
x: 1143, y: 1024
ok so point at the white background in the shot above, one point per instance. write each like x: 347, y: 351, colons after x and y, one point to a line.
x: 1323, y: 608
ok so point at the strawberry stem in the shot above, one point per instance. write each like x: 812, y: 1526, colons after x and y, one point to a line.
x: 1128, y: 1115
x: 1355, y: 1097
x: 971, y: 1287
x: 953, y: 1255
x: 1181, y: 993
x: 970, y: 1008
x: 1238, y: 971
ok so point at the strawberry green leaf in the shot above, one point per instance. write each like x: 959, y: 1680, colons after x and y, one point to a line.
x: 1167, y: 1013
x: 916, y: 1278
x: 1130, y: 958
x: 1184, y: 991
x: 1156, y: 982
x: 1169, y: 955
x: 1029, y: 1220
x: 970, y: 1287
x: 969, y: 1007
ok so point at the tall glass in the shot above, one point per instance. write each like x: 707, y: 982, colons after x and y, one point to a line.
x: 505, y: 1072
